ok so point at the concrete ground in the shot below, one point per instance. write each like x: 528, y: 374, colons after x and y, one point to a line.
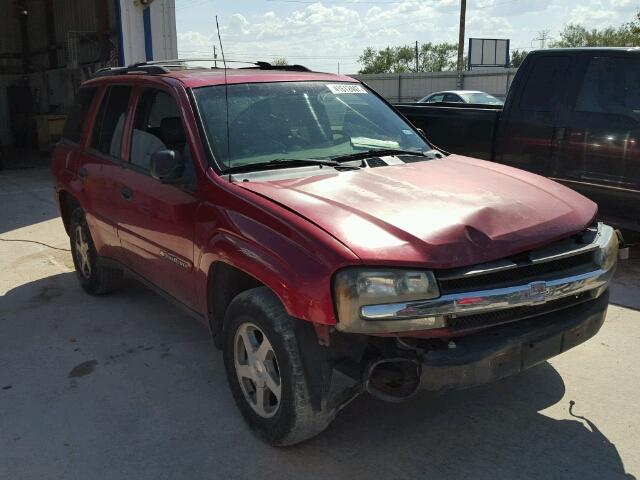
x: 127, y: 386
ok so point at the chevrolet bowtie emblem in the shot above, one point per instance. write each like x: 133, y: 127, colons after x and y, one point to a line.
x: 538, y: 292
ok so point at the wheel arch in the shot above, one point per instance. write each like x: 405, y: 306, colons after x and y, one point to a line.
x: 224, y: 283
x: 300, y: 280
x: 68, y: 203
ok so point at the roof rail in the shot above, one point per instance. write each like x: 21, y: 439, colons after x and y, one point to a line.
x: 137, y: 68
x: 259, y: 64
x: 162, y: 66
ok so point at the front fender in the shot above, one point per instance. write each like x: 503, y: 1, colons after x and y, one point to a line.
x: 298, y: 272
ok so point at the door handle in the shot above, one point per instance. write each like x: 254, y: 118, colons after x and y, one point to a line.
x: 559, y: 134
x: 126, y: 193
x: 82, y: 173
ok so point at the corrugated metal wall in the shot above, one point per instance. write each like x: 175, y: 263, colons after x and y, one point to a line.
x: 409, y: 87
x: 78, y: 51
x: 10, y: 40
x: 5, y: 126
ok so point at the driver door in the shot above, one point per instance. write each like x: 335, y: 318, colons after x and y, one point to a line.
x: 157, y: 224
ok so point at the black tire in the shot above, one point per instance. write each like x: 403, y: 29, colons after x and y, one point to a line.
x: 98, y: 279
x: 294, y: 420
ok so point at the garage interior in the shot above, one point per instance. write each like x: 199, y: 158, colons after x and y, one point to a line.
x: 47, y: 49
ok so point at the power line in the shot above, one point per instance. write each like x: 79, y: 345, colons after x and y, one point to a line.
x: 237, y: 54
x: 336, y: 3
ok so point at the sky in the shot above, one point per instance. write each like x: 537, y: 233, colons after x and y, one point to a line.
x: 331, y: 34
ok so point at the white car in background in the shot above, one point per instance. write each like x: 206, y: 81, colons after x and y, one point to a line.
x: 461, y: 96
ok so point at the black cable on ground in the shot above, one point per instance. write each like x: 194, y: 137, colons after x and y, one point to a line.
x: 34, y: 241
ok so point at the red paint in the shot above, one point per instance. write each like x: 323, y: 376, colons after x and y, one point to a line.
x: 293, y: 235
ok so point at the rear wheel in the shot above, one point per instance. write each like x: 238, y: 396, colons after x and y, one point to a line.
x: 94, y: 276
x: 265, y: 371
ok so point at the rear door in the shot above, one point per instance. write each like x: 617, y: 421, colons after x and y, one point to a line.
x: 528, y: 131
x: 100, y: 169
x: 600, y: 154
x: 157, y: 226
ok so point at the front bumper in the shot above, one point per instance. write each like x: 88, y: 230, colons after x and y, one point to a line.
x: 505, y: 350
x: 436, y: 313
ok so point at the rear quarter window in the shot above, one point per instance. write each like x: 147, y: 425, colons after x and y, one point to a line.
x: 545, y: 84
x: 77, y: 117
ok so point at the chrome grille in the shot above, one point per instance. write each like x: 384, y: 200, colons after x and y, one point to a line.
x: 521, y: 272
x: 563, y: 259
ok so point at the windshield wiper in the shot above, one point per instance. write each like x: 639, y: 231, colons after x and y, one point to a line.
x: 377, y: 152
x: 281, y: 163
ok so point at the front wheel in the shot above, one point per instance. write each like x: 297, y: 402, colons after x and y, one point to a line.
x: 265, y: 371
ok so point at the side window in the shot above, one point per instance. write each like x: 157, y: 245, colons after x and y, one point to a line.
x: 78, y: 114
x: 610, y: 85
x: 436, y: 98
x: 452, y: 98
x: 543, y: 88
x: 158, y: 126
x: 109, y: 125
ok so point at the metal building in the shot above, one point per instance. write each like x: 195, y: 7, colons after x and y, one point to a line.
x: 48, y: 47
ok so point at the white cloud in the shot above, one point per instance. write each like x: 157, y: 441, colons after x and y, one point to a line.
x: 195, y: 39
x: 594, y: 14
x: 322, y: 34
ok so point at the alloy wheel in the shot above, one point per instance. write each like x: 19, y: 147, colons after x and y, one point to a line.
x: 257, y: 370
x: 82, y: 252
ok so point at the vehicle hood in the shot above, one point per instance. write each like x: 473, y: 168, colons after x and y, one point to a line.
x: 441, y: 213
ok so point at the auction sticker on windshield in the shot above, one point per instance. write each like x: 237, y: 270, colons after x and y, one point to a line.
x: 338, y: 88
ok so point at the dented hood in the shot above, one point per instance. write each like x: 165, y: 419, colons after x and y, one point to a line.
x: 441, y: 213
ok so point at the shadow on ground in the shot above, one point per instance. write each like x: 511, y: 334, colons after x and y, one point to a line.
x: 126, y: 386
x: 30, y: 195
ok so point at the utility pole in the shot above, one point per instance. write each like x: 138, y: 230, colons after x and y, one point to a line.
x: 463, y: 12
x: 417, y: 56
x: 215, y: 57
x: 338, y: 68
x: 543, y: 37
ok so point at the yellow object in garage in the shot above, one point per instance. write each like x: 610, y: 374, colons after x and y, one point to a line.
x: 49, y: 130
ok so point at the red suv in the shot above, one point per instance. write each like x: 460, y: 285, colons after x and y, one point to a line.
x: 328, y: 246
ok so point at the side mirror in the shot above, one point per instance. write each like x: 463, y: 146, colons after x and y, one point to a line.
x: 167, y: 166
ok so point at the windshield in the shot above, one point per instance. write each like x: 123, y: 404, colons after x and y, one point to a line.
x: 299, y: 120
x: 480, y: 97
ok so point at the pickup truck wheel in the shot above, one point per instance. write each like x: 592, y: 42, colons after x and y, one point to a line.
x: 265, y: 371
x: 95, y: 278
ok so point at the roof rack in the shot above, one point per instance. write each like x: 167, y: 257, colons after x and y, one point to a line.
x: 157, y: 67
x: 259, y: 64
x: 136, y: 68
x: 268, y: 66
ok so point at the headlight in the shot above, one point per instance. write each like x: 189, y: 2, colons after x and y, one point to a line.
x: 607, y: 254
x: 357, y: 287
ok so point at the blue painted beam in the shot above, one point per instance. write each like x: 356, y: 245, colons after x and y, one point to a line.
x: 148, y: 43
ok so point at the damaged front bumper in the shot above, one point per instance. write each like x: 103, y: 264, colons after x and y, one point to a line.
x: 508, y: 349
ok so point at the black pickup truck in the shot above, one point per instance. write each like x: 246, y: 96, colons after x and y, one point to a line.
x: 571, y: 114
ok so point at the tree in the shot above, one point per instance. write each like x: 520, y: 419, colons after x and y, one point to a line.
x: 280, y: 61
x: 438, y: 57
x: 517, y: 57
x: 574, y: 35
x: 431, y: 58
